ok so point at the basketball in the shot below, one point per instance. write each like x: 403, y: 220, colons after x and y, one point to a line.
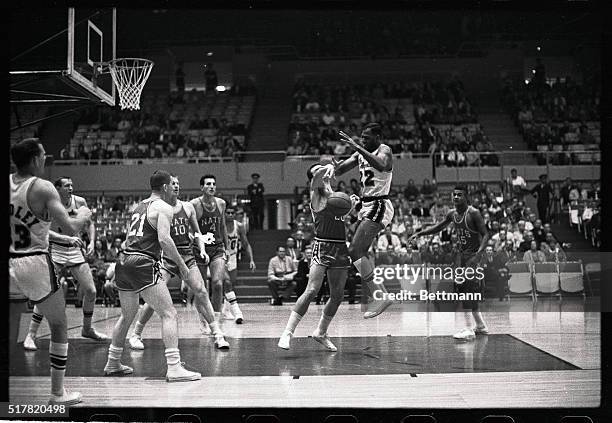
x: 339, y: 203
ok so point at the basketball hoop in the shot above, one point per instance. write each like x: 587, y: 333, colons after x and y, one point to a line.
x: 130, y: 76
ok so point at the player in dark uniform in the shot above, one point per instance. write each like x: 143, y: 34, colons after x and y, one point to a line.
x: 473, y: 236
x: 210, y: 213
x: 330, y: 255
x: 184, y: 227
x: 138, y: 272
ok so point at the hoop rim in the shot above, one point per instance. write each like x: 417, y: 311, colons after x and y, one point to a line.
x: 104, y: 67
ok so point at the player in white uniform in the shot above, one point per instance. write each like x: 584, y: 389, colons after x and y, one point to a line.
x: 67, y: 252
x: 236, y: 235
x: 375, y: 162
x: 33, y: 203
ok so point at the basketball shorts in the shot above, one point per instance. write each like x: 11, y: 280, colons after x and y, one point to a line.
x: 470, y: 285
x: 333, y: 255
x: 214, y: 251
x: 379, y: 211
x: 135, y: 272
x: 66, y: 255
x: 232, y: 262
x: 171, y: 267
x: 33, y: 276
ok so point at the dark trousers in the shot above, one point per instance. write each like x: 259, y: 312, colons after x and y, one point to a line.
x: 257, y: 216
x: 281, y: 290
x: 543, y: 212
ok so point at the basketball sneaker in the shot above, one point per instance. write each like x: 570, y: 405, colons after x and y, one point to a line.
x: 325, y: 341
x: 135, y: 342
x: 378, y: 308
x: 237, y: 313
x: 91, y: 333
x: 481, y: 330
x: 67, y: 398
x: 220, y: 342
x: 226, y: 311
x: 285, y: 340
x: 117, y: 369
x: 466, y: 334
x: 181, y: 374
x: 29, y: 343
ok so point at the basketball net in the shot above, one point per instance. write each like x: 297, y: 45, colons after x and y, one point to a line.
x: 129, y: 76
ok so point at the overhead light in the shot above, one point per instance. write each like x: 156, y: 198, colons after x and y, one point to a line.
x: 210, y: 53
x: 533, y: 71
x: 539, y: 48
x: 220, y: 88
x: 526, y: 82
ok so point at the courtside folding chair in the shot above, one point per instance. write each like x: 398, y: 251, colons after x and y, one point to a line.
x: 546, y: 276
x: 521, y: 280
x: 571, y: 275
x: 592, y: 271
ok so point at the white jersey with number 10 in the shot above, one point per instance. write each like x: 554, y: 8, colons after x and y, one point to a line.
x: 373, y: 182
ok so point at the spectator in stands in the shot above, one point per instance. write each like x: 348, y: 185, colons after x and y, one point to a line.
x: 411, y: 191
x: 294, y: 149
x: 427, y: 189
x: 436, y: 255
x: 387, y: 247
x: 526, y: 244
x: 255, y: 192
x: 491, y: 264
x: 533, y: 255
x: 65, y: 153
x: 116, y: 153
x: 420, y: 210
x: 305, y: 214
x: 544, y: 193
x: 411, y: 254
x: 291, y: 250
x: 153, y: 152
x: 517, y: 183
x: 81, y: 154
x: 281, y: 273
x: 355, y: 187
x: 113, y: 252
x: 538, y: 231
x: 303, y: 268
x: 210, y: 76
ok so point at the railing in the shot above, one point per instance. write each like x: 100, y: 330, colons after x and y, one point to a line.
x: 543, y: 158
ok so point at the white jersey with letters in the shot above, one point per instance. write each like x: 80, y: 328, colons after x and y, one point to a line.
x: 29, y: 234
x: 31, y: 273
x: 62, y: 253
x: 375, y: 184
x: 232, y: 251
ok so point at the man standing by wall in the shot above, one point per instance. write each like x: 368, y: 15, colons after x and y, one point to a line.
x: 255, y: 192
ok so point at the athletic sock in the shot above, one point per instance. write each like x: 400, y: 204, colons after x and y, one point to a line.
x: 114, y: 354
x: 173, y: 357
x: 366, y: 269
x: 217, y: 316
x: 58, y: 356
x: 138, y: 327
x: 324, y: 323
x: 294, y: 319
x: 468, y: 319
x: 87, y: 316
x: 230, y: 297
x: 35, y: 323
x: 214, y: 327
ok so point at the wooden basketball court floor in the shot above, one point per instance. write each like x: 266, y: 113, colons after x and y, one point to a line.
x: 549, y: 357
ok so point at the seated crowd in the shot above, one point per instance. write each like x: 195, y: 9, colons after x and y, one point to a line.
x: 178, y: 124
x: 417, y: 118
x: 561, y: 117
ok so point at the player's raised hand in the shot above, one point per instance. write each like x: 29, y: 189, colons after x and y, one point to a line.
x: 90, y: 248
x: 355, y: 199
x: 330, y: 171
x: 252, y: 266
x: 345, y: 138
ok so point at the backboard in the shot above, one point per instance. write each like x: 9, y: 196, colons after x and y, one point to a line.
x: 54, y: 61
x: 91, y: 40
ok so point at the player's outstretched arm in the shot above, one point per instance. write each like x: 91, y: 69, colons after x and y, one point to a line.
x: 381, y: 161
x: 91, y: 229
x: 46, y: 191
x: 433, y: 229
x: 320, y: 188
x: 75, y: 241
x: 221, y: 204
x: 161, y: 213
x: 346, y: 165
